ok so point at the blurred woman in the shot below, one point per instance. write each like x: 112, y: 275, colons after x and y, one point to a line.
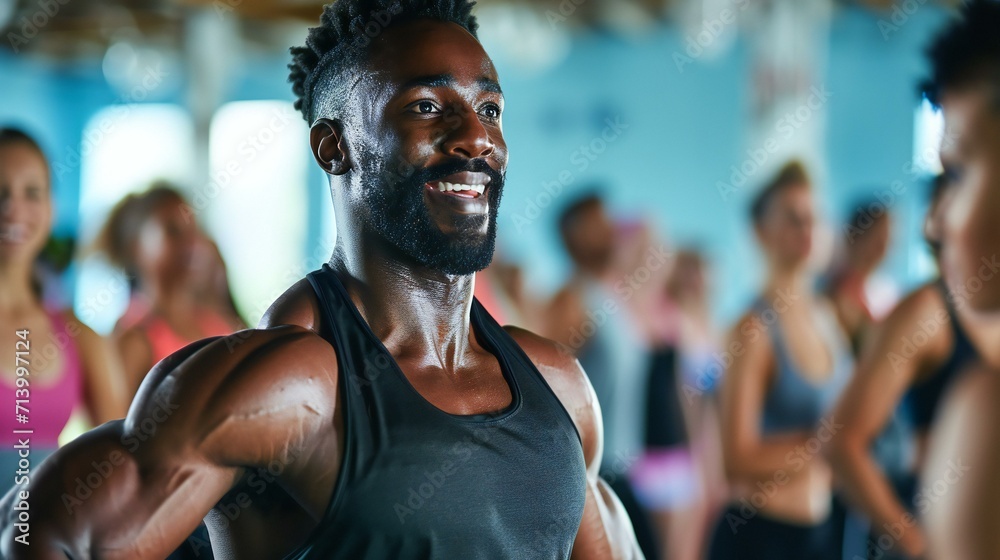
x: 787, y: 362
x: 917, y: 354
x: 66, y: 365
x: 180, y: 292
x: 679, y: 477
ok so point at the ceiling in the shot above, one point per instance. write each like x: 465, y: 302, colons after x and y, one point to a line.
x: 84, y: 28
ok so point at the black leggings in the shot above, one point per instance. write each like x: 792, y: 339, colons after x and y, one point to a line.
x: 756, y: 537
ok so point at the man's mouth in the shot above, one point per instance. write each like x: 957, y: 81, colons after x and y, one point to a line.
x: 467, y: 184
x: 459, y: 189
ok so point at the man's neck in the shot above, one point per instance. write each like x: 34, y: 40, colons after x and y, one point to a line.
x: 413, y: 310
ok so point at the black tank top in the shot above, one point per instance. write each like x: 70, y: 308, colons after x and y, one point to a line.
x: 416, y: 482
x: 923, y: 398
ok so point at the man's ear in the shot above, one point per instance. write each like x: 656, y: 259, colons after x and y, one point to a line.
x: 329, y: 147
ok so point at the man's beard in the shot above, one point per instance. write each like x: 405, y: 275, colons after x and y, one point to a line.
x: 396, y: 210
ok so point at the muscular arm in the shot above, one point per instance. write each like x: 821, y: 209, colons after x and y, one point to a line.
x: 201, y: 417
x: 884, y: 374
x: 747, y: 455
x: 605, y: 530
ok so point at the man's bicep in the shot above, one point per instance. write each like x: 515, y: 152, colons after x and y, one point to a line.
x: 108, y: 494
x: 606, y: 529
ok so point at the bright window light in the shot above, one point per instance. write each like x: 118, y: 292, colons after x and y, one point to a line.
x: 256, y: 200
x: 928, y: 130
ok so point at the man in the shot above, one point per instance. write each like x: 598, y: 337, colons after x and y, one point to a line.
x: 379, y: 412
x: 960, y: 488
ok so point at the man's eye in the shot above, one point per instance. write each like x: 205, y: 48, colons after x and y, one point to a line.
x: 425, y: 107
x: 490, y: 111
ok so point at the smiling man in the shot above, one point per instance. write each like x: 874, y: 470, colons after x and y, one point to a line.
x: 378, y: 411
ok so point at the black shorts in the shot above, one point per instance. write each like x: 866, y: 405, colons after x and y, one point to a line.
x: 737, y: 537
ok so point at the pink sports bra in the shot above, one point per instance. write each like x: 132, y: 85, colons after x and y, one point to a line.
x: 164, y: 341
x: 51, y: 403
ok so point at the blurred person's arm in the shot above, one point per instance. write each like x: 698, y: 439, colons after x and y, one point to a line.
x: 879, y: 383
x: 748, y: 456
x: 563, y: 316
x: 104, y: 379
x: 136, y: 355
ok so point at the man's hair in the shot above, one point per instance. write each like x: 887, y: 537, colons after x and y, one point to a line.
x: 791, y: 174
x: 340, y: 44
x: 571, y: 214
x: 967, y: 50
x: 936, y: 187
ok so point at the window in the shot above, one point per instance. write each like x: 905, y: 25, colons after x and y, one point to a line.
x: 256, y: 202
x: 124, y: 149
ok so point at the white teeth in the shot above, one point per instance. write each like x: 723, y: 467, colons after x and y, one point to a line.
x: 448, y: 187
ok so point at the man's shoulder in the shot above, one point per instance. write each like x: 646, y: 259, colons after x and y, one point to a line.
x: 298, y: 305
x: 551, y: 358
x: 558, y: 366
x: 564, y: 375
x: 256, y: 381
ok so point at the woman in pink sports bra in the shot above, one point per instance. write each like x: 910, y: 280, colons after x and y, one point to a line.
x: 180, y: 292
x: 68, y: 364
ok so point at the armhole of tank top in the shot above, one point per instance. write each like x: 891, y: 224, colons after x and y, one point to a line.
x: 326, y: 327
x: 956, y: 327
x: 483, y: 318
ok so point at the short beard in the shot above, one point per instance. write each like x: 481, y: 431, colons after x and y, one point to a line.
x: 396, y: 211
